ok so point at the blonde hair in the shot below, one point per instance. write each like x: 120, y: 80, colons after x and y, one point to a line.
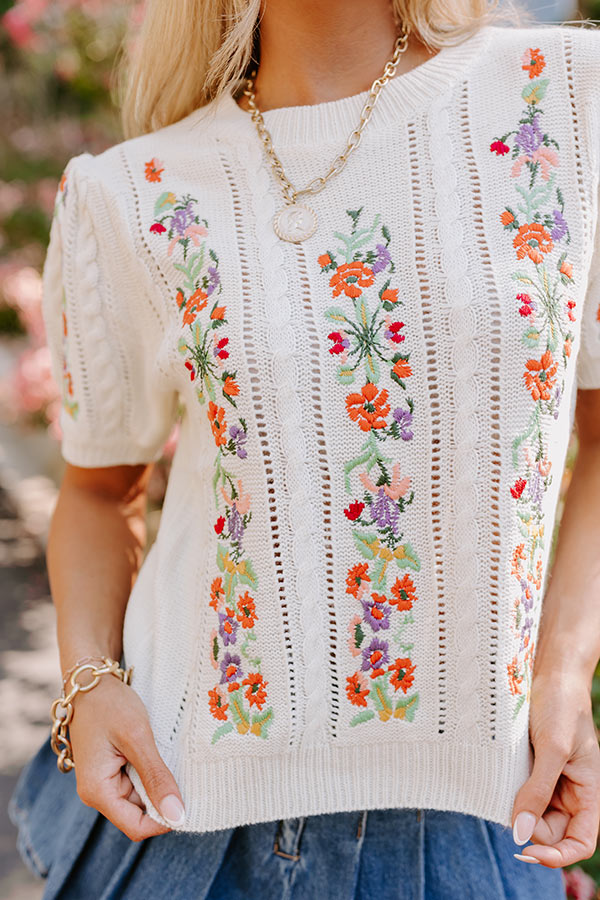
x: 188, y: 52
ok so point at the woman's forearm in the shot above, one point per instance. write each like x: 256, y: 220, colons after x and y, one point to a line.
x: 569, y: 635
x: 95, y: 548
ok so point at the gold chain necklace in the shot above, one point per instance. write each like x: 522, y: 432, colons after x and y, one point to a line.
x: 296, y: 221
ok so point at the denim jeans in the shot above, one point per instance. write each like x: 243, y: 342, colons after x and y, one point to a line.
x: 380, y: 854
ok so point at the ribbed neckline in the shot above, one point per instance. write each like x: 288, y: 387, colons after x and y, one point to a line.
x: 333, y: 120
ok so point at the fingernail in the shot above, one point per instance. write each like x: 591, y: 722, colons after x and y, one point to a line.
x: 172, y: 810
x: 530, y: 859
x: 523, y: 827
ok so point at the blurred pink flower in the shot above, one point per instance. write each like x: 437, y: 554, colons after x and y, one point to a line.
x: 579, y: 885
x: 23, y: 290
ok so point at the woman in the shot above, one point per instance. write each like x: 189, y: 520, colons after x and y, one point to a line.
x: 331, y: 644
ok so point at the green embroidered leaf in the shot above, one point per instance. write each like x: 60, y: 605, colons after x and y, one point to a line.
x: 363, y: 541
x: 345, y: 375
x: 378, y: 574
x: 336, y: 314
x: 221, y: 554
x: 522, y: 277
x: 372, y: 370
x: 534, y: 92
x: 362, y: 716
x: 163, y: 202
x: 182, y: 346
x: 220, y: 731
x: 248, y: 576
x: 236, y: 705
x: 380, y: 694
x: 410, y: 705
x: 409, y: 558
x: 531, y: 338
x: 261, y: 722
x: 518, y: 705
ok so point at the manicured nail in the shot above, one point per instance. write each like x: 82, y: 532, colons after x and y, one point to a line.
x: 523, y: 827
x: 172, y: 810
x: 530, y: 859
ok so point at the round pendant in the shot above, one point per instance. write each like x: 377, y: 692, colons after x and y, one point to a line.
x: 295, y: 222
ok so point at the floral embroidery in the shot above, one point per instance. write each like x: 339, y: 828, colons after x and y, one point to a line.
x: 367, y: 346
x: 68, y: 400
x: 538, y: 228
x: 153, y: 170
x: 238, y: 699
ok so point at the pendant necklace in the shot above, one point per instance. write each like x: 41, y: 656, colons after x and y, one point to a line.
x: 295, y: 221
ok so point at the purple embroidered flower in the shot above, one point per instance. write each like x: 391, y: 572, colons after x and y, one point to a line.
x: 230, y: 667
x: 183, y: 218
x: 377, y: 615
x: 383, y: 259
x: 526, y: 595
x: 526, y: 631
x: 560, y: 226
x: 557, y: 399
x: 235, y: 523
x: 529, y: 136
x: 213, y: 279
x: 404, y: 419
x: 239, y: 437
x: 227, y: 628
x: 535, y: 489
x: 375, y: 656
x: 384, y: 511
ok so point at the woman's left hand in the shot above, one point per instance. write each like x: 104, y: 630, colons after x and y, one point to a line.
x: 558, y: 807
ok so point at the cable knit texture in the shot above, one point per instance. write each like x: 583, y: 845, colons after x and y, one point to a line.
x: 341, y: 607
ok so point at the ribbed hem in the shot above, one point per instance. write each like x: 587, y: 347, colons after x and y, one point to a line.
x: 465, y: 778
x: 317, y: 123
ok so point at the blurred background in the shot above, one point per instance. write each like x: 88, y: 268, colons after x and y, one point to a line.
x: 57, y: 100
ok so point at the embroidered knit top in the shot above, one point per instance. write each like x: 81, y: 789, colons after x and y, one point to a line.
x: 341, y: 606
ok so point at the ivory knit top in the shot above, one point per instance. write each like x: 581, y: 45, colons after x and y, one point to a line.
x: 341, y: 606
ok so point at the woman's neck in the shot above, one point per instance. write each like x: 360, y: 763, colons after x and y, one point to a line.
x: 320, y: 50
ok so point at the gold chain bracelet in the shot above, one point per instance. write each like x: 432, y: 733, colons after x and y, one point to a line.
x: 61, y: 710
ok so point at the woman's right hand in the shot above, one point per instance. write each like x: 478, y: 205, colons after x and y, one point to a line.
x: 110, y: 727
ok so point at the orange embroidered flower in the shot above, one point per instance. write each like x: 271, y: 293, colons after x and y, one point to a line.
x: 532, y: 240
x: 514, y: 676
x: 566, y: 269
x: 506, y: 217
x: 256, y: 693
x: 154, y: 169
x: 518, y: 555
x: 402, y: 369
x: 567, y: 346
x: 64, y: 322
x: 402, y: 674
x: 62, y: 182
x: 357, y: 689
x: 218, y: 312
x: 539, y: 376
x: 368, y: 408
x: 218, y: 709
x: 391, y: 295
x: 217, y: 593
x: 403, y: 593
x: 533, y: 62
x: 216, y: 417
x: 196, y: 302
x: 350, y: 278
x: 247, y: 615
x: 598, y: 313
x: 230, y: 387
x: 354, y: 581
x: 324, y: 260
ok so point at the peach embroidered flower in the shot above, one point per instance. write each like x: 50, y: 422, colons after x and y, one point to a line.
x: 396, y: 489
x: 353, y: 624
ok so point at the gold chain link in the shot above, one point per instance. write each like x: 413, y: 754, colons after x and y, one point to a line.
x: 317, y: 184
x: 61, y: 710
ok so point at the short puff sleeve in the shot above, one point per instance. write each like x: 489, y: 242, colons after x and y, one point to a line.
x: 105, y: 326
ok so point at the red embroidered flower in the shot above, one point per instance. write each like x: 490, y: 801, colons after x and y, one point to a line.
x: 519, y: 487
x: 220, y: 524
x: 499, y: 148
x: 190, y: 366
x: 338, y: 342
x: 157, y: 228
x: 354, y: 510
